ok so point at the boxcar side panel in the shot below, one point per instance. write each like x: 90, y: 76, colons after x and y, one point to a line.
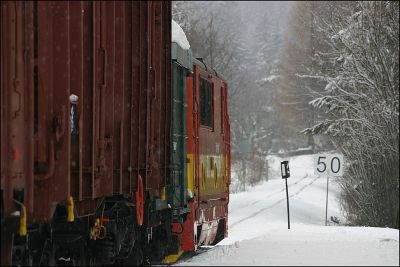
x: 113, y: 59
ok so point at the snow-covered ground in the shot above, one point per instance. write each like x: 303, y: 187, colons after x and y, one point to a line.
x: 259, y: 234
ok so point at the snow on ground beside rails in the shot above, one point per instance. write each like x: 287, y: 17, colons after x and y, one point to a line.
x: 312, y: 245
x: 258, y: 233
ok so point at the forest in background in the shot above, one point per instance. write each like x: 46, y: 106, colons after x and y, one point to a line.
x: 309, y: 76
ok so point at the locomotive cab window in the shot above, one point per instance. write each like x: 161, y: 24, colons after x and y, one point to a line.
x: 206, y: 103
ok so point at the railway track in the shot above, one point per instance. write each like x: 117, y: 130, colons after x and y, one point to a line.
x: 274, y: 204
x: 269, y: 196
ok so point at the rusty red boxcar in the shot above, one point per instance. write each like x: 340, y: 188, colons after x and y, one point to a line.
x: 85, y: 126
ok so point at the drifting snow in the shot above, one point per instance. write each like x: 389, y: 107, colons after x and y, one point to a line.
x: 258, y: 233
x: 309, y: 245
x: 179, y: 36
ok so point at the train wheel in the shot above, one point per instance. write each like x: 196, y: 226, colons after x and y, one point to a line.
x: 136, y: 257
x: 82, y: 257
x: 6, y: 249
x: 9, y: 226
x: 220, y: 232
x: 47, y: 258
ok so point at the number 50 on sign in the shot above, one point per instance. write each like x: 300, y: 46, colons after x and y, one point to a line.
x: 328, y: 164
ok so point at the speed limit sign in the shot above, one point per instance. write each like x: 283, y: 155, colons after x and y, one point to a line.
x: 328, y: 164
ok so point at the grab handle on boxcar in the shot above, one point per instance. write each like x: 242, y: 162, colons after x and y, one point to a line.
x: 52, y: 164
x: 60, y: 124
x: 15, y: 84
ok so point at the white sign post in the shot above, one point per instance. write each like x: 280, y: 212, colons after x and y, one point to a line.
x: 329, y: 165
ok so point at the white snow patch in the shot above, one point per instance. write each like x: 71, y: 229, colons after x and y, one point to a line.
x: 309, y: 246
x: 258, y: 233
x: 179, y: 36
x: 271, y: 78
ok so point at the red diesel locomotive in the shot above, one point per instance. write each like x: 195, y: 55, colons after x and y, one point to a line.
x: 208, y: 153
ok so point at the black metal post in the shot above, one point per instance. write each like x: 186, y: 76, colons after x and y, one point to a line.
x: 287, y: 198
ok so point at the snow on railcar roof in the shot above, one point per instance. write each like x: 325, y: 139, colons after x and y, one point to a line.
x: 179, y: 36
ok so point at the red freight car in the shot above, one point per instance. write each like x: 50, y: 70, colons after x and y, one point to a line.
x: 85, y: 130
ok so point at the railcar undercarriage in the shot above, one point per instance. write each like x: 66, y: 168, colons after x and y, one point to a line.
x: 111, y: 236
